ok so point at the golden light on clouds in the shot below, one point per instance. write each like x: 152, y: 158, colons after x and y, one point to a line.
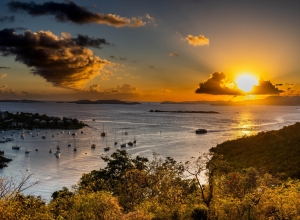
x: 197, y: 40
x: 246, y: 82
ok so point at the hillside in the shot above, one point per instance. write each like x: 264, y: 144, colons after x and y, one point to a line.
x: 277, y: 152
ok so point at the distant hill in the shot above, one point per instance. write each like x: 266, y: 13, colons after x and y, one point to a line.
x: 105, y: 102
x: 277, y: 152
x: 271, y: 100
x: 21, y: 101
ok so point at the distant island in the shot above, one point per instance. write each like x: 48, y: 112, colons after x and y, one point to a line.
x: 105, y: 102
x: 201, y: 112
x: 29, y: 121
x: 271, y: 100
x: 22, y: 101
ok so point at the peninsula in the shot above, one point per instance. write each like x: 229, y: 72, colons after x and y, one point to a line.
x: 20, y: 120
x: 3, y: 160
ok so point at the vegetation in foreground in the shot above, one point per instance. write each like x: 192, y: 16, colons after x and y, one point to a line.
x: 275, y: 152
x: 139, y: 188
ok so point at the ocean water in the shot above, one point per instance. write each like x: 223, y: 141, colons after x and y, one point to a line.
x: 168, y: 134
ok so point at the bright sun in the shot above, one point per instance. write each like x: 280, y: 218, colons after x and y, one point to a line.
x: 246, y: 82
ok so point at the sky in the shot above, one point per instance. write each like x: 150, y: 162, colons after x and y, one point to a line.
x: 149, y: 50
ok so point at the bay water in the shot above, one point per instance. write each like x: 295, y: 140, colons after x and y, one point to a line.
x: 165, y: 133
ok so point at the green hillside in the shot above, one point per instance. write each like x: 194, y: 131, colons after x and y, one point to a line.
x: 277, y: 152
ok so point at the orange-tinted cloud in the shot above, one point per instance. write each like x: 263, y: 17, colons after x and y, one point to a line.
x: 217, y: 85
x: 150, y: 19
x: 197, y: 40
x: 3, y: 75
x: 69, y: 11
x: 64, y: 62
x: 173, y: 55
x: 125, y: 91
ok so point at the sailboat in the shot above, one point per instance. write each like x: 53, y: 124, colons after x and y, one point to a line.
x: 23, y: 134
x: 57, y: 154
x: 116, y: 139
x: 123, y: 144
x: 16, y: 146
x: 103, y: 134
x: 75, y: 148
x: 57, y: 147
x: 69, y: 143
x: 106, y: 148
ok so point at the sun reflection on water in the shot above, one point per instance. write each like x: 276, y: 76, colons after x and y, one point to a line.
x: 246, y: 124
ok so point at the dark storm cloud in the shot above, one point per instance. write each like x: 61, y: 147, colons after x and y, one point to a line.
x: 64, y: 62
x: 265, y: 87
x: 86, y: 41
x: 217, y: 85
x: 69, y: 11
x: 4, y: 67
x: 7, y: 18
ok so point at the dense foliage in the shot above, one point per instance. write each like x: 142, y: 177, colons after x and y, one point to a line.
x: 276, y: 152
x: 30, y: 121
x: 3, y: 160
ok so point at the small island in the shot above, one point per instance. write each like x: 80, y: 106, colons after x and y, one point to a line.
x: 201, y: 112
x: 21, y: 120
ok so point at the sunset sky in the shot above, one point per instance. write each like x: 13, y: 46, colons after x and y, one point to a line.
x: 149, y: 50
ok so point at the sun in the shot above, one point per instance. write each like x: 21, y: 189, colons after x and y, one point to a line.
x: 246, y: 82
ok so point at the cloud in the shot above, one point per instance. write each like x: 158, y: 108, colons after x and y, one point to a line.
x: 7, y: 18
x: 95, y: 88
x: 173, y: 55
x: 86, y: 41
x: 265, y: 87
x: 197, y: 40
x: 111, y: 56
x: 218, y: 85
x: 152, y: 67
x: 119, y: 92
x: 4, y: 67
x: 65, y: 63
x: 150, y: 19
x: 165, y: 91
x: 280, y: 84
x: 3, y: 75
x: 69, y: 11
x: 122, y: 58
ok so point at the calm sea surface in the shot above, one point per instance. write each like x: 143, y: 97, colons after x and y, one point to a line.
x: 168, y: 134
